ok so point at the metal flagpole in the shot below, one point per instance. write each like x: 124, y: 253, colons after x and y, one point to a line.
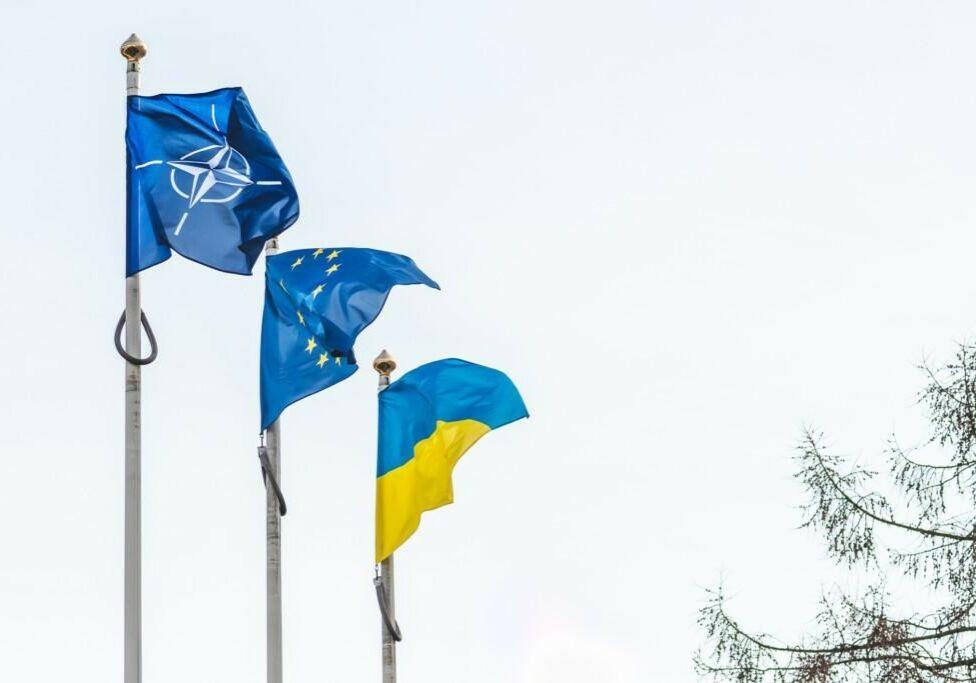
x: 273, y: 529
x: 384, y: 366
x: 133, y: 50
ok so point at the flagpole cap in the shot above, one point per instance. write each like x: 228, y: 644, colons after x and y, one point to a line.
x: 384, y: 364
x: 133, y: 49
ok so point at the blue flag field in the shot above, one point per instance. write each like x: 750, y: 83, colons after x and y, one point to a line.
x: 204, y: 180
x: 316, y: 303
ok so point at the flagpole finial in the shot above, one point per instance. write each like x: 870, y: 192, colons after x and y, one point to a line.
x: 133, y: 49
x: 384, y: 364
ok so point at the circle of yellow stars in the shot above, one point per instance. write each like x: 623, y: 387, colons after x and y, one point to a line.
x: 311, y: 344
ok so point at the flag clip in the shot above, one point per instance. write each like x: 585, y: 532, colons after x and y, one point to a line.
x: 268, y: 476
x: 391, y: 625
x: 149, y: 333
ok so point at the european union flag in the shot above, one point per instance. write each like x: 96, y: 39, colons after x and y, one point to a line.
x: 203, y: 178
x: 429, y: 418
x: 316, y: 302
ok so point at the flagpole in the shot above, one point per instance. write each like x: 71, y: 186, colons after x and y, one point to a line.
x: 384, y: 364
x: 133, y: 49
x: 273, y: 531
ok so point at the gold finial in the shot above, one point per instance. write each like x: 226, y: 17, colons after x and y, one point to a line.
x: 384, y: 364
x: 133, y: 49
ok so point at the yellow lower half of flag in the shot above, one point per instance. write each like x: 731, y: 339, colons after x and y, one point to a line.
x: 422, y: 483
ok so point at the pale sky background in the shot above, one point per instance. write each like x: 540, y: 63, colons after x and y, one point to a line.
x: 684, y: 229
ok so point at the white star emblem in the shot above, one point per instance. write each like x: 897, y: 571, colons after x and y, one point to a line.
x: 209, y: 173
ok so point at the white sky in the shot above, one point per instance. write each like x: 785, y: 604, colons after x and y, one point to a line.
x: 684, y: 229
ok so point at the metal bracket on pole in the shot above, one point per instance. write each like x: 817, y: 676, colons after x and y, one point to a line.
x: 149, y: 333
x: 391, y: 624
x: 269, y: 478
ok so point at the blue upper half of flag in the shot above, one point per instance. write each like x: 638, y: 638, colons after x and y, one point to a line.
x: 203, y: 178
x: 445, y: 391
x: 316, y: 302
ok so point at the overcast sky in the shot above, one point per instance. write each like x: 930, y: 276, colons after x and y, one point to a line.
x: 685, y: 230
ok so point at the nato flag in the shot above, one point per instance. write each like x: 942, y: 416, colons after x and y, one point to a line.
x: 203, y: 179
x: 316, y: 302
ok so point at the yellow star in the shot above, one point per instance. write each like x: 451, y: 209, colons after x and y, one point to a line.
x: 317, y: 253
x: 297, y: 262
x: 323, y: 359
x: 334, y: 254
x: 301, y: 318
x: 311, y: 344
x: 333, y: 268
x: 337, y: 359
x: 317, y: 291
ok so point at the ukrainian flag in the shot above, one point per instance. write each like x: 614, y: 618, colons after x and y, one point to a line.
x: 428, y: 419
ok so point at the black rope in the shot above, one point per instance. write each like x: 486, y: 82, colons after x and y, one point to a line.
x: 391, y: 625
x: 268, y: 476
x: 149, y: 333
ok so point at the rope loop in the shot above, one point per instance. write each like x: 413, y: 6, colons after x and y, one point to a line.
x: 392, y: 627
x: 269, y: 478
x: 154, y: 349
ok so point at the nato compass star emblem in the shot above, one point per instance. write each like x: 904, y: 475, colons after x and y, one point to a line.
x: 214, y: 174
